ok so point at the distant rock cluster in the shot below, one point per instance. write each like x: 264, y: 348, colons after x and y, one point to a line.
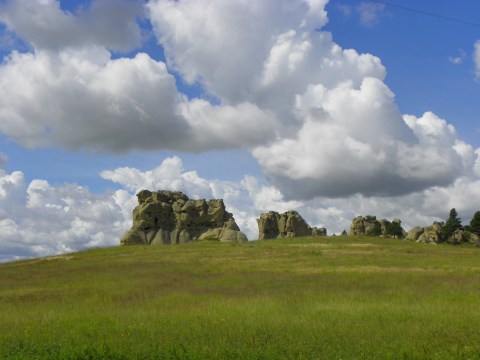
x: 273, y: 225
x: 170, y: 217
x: 370, y: 226
x: 435, y: 234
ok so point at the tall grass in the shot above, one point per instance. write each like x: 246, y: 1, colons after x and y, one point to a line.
x: 312, y: 298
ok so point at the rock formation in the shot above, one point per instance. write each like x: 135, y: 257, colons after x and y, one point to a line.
x: 458, y: 237
x: 170, y: 217
x: 435, y: 234
x: 370, y: 226
x: 414, y: 233
x: 432, y: 234
x: 290, y: 224
x: 365, y: 226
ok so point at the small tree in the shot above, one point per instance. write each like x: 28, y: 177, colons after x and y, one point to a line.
x: 475, y: 223
x: 394, y: 229
x: 453, y: 223
x: 377, y: 229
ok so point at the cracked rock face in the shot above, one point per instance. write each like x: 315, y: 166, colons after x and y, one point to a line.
x: 170, y: 217
x: 273, y: 225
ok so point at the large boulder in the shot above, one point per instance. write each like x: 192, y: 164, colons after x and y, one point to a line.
x: 414, y: 233
x: 170, y: 217
x: 365, y: 226
x: 370, y: 226
x: 432, y: 234
x: 272, y: 225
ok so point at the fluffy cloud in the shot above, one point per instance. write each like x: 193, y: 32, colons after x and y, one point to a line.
x: 227, y: 52
x: 70, y: 92
x: 264, y: 52
x: 110, y: 23
x: 355, y: 141
x: 340, y: 131
x: 38, y: 219
x: 83, y: 98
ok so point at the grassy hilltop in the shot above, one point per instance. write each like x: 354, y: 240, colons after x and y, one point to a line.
x: 311, y: 298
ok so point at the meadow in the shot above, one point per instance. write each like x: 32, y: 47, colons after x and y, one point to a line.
x: 309, y: 298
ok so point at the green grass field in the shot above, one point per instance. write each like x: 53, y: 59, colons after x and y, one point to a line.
x: 312, y: 298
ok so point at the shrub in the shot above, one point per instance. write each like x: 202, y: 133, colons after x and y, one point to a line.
x: 394, y: 229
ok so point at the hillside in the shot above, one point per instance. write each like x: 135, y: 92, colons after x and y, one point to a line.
x: 327, y: 297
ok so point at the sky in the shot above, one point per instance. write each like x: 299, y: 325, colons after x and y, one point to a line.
x: 332, y: 108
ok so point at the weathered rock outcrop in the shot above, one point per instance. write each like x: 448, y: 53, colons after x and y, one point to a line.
x: 463, y: 236
x: 435, y: 234
x: 273, y: 225
x: 170, y: 217
x: 370, y: 226
x: 414, y: 233
x: 458, y: 237
x: 432, y: 234
x: 365, y: 226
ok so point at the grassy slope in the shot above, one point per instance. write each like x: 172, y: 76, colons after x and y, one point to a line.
x: 307, y: 298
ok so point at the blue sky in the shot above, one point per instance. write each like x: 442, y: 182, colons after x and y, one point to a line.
x: 419, y: 53
x: 335, y: 109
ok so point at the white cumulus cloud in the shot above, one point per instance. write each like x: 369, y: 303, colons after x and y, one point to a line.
x: 109, y: 23
x: 356, y: 141
x: 339, y: 131
x: 223, y: 44
x: 83, y: 98
x: 70, y: 92
x: 39, y: 219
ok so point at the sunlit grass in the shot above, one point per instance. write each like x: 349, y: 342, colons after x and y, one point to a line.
x: 327, y: 298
